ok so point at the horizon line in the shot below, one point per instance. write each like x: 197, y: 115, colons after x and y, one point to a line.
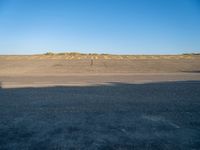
x: 94, y: 53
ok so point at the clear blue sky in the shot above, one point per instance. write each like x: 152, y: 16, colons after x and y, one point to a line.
x: 100, y: 26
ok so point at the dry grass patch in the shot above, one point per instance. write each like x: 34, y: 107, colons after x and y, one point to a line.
x: 78, y: 56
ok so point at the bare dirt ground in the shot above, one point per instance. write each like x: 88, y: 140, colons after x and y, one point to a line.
x: 36, y: 65
x: 134, y: 102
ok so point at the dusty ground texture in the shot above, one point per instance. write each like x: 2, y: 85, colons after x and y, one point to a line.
x: 60, y: 103
x: 67, y: 64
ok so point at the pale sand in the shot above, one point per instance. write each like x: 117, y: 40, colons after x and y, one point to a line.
x: 93, y: 79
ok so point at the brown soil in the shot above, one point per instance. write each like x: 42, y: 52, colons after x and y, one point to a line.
x: 97, y: 64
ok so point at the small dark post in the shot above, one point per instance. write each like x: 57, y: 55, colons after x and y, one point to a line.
x: 91, y: 62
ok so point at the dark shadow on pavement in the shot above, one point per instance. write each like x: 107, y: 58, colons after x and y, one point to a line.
x: 109, y: 117
x: 193, y: 71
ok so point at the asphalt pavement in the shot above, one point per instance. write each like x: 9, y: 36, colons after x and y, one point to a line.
x: 128, y: 114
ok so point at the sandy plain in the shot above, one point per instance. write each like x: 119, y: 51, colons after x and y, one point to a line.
x: 77, y: 69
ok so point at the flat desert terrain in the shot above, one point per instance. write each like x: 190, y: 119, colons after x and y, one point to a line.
x: 99, y: 102
x: 37, y: 65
